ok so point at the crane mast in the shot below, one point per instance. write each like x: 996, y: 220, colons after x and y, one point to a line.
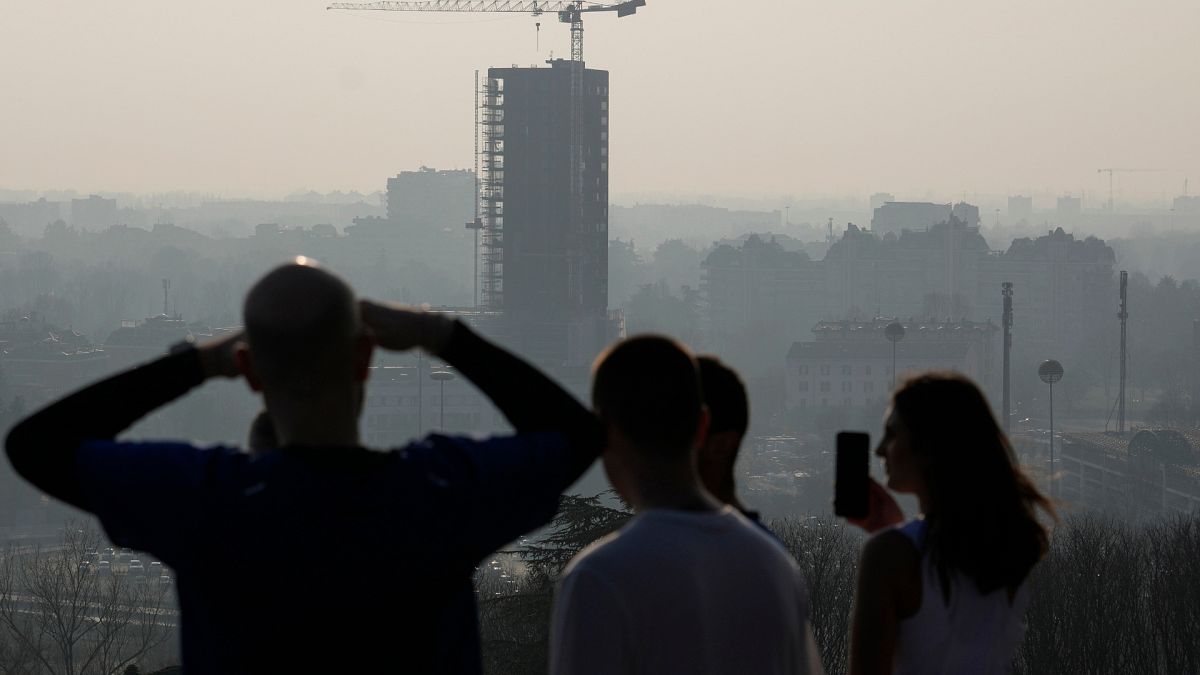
x: 1110, y: 172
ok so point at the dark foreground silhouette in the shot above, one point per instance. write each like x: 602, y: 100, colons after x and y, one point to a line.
x: 688, y: 585
x: 319, y: 555
x: 946, y: 592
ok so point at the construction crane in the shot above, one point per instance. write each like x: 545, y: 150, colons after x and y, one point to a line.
x: 568, y: 11
x: 1110, y: 172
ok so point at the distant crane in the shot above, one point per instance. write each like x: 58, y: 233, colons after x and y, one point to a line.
x: 1110, y: 172
x: 569, y: 11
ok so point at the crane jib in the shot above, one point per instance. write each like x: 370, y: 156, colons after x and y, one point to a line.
x: 515, y: 6
x: 569, y: 11
x: 564, y: 7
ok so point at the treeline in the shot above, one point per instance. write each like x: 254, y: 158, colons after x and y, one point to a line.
x: 1110, y: 597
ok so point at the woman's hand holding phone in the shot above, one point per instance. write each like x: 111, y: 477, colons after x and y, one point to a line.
x: 882, y: 510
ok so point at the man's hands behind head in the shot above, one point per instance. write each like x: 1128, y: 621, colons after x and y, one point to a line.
x: 399, y: 328
x: 392, y: 326
x: 218, y: 355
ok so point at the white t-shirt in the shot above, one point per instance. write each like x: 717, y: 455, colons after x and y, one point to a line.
x: 683, y: 593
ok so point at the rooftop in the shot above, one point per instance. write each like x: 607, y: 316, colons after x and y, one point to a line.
x: 915, y: 328
x: 922, y: 351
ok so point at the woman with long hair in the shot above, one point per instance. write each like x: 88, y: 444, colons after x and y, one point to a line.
x: 945, y: 592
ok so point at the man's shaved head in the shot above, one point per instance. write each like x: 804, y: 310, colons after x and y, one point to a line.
x: 301, y: 327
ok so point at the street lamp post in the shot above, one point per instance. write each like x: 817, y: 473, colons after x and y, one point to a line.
x: 420, y: 397
x: 1051, y: 371
x: 442, y: 376
x: 894, y: 333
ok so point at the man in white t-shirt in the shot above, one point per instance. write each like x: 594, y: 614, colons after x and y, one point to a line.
x: 689, y: 585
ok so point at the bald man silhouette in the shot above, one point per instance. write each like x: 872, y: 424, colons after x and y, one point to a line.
x: 315, y: 554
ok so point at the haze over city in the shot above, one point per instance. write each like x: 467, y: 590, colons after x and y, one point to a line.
x: 927, y: 99
x: 363, y: 339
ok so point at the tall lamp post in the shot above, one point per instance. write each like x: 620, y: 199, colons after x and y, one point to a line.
x: 442, y: 376
x: 1051, y: 371
x: 894, y: 333
x: 420, y: 397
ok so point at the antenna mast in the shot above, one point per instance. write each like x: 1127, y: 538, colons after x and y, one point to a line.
x: 1123, y: 315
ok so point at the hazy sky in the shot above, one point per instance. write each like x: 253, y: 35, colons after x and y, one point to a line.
x: 922, y: 98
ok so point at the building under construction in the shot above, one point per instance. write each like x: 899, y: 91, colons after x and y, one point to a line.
x: 542, y: 153
x: 543, y: 135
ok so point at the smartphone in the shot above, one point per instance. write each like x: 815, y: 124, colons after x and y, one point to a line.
x: 852, y: 475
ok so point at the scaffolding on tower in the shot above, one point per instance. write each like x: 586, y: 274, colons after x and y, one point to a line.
x: 491, y: 190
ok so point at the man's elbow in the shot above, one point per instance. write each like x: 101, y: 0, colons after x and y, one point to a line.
x: 35, y: 456
x: 18, y: 448
x: 29, y: 451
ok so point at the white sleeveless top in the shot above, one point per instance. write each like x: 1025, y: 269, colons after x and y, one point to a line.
x: 974, y: 633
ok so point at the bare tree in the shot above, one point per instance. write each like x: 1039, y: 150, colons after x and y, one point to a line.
x: 61, y: 615
x: 827, y: 552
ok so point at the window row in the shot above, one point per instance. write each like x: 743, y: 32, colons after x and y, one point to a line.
x: 847, y: 387
x: 845, y: 369
x: 433, y: 399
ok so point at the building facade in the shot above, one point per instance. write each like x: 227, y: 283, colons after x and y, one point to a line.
x: 759, y: 287
x: 545, y: 258
x: 894, y: 217
x: 31, y: 218
x: 1069, y: 206
x: 849, y: 363
x: 1186, y: 204
x: 823, y: 375
x: 431, y: 200
x: 933, y: 271
x: 1061, y: 284
x: 95, y: 212
x: 554, y: 239
x: 1020, y: 207
x: 880, y: 198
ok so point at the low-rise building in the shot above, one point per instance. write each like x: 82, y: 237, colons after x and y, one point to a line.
x: 849, y: 364
x: 1186, y: 204
x: 895, y: 217
x: 1069, y: 206
x: 41, y: 361
x: 1061, y: 284
x: 135, y: 342
x: 759, y: 288
x: 31, y: 218
x: 931, y: 271
x: 1020, y: 207
x: 95, y: 212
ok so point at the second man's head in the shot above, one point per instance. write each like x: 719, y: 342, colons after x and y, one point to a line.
x: 646, y: 390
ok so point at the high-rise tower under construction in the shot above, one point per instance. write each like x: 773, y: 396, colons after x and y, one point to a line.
x: 544, y: 205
